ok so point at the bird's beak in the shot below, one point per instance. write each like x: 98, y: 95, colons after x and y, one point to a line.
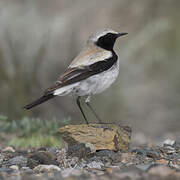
x: 121, y: 34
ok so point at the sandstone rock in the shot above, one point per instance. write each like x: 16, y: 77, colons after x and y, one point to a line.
x: 100, y: 136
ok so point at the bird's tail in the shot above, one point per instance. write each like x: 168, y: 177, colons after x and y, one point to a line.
x: 39, y: 101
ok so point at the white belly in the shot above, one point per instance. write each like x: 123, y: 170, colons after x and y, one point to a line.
x: 97, y: 83
x: 92, y: 85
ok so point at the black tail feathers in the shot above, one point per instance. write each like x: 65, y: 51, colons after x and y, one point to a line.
x: 39, y: 101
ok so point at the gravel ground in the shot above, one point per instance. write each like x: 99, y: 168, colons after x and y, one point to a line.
x: 78, y: 162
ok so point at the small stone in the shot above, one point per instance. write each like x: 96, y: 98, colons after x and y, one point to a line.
x: 101, y: 136
x: 53, y: 150
x: 139, y: 151
x: 152, y: 154
x: 18, y: 160
x: 169, y: 150
x: 31, y: 163
x: 64, y: 160
x: 169, y: 142
x: 109, y: 170
x: 91, y: 146
x: 147, y: 152
x: 162, y: 161
x: 8, y: 149
x: 105, y: 152
x: 125, y: 157
x: 79, y: 150
x: 94, y: 164
x: 44, y: 157
x: 108, y: 156
x: 14, y: 167
x: 46, y: 168
x: 174, y: 164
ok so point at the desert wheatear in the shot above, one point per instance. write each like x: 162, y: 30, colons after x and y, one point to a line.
x: 91, y: 72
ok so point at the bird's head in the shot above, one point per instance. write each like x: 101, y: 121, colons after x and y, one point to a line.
x: 105, y: 38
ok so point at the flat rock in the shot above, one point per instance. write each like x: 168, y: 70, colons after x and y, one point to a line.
x: 98, y: 136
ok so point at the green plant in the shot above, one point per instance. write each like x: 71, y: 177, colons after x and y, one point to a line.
x: 31, y: 132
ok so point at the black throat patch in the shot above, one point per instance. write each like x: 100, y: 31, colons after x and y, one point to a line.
x: 107, y: 41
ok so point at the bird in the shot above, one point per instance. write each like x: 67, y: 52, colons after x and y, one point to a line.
x: 91, y: 72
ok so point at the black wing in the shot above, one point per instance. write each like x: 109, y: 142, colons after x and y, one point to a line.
x: 73, y: 75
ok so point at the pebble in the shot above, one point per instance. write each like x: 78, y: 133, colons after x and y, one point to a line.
x: 162, y: 161
x: 169, y: 142
x: 8, y: 149
x: 169, y: 150
x: 79, y: 150
x: 91, y: 146
x: 95, y: 164
x: 147, y: 152
x: 152, y: 154
x: 18, y: 160
x: 53, y: 150
x: 46, y: 168
x: 145, y: 162
x: 44, y: 157
x: 14, y: 167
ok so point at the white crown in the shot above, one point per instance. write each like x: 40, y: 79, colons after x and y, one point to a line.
x: 95, y: 36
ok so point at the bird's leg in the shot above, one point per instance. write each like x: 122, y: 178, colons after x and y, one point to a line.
x: 79, y: 105
x: 87, y: 101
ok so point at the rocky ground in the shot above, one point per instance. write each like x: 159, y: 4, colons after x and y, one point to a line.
x: 78, y: 162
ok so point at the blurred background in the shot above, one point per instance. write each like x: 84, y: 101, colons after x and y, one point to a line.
x: 39, y: 38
